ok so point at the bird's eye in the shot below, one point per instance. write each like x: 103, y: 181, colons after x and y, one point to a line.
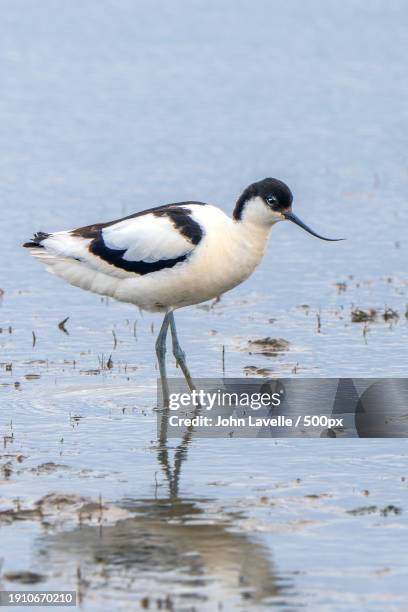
x: 272, y: 200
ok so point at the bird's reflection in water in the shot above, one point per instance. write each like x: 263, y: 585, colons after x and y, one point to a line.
x: 173, y: 553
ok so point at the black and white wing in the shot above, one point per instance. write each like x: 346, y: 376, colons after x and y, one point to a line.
x: 140, y: 244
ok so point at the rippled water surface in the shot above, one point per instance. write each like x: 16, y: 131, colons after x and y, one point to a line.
x: 111, y: 107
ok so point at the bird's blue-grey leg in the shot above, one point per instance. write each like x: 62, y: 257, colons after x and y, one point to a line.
x: 161, y: 357
x: 179, y: 353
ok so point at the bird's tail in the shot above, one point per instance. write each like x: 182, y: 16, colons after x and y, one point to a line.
x: 67, y: 256
x: 36, y: 241
x: 41, y: 248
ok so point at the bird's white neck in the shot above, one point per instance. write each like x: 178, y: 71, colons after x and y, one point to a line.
x: 250, y: 237
x: 254, y: 225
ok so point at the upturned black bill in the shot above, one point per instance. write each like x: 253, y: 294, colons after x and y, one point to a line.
x: 291, y: 217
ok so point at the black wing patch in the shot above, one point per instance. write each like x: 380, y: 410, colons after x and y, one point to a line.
x: 183, y: 222
x: 115, y: 258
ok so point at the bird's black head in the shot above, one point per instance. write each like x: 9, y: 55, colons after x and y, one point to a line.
x: 274, y: 193
x: 269, y: 201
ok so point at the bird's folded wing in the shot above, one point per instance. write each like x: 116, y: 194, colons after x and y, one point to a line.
x: 140, y: 244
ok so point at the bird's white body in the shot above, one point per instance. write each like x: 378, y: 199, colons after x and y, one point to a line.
x: 226, y: 254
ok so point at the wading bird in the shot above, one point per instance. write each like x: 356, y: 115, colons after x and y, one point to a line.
x: 170, y: 256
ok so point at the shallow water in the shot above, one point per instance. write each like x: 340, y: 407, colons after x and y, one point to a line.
x: 108, y: 108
